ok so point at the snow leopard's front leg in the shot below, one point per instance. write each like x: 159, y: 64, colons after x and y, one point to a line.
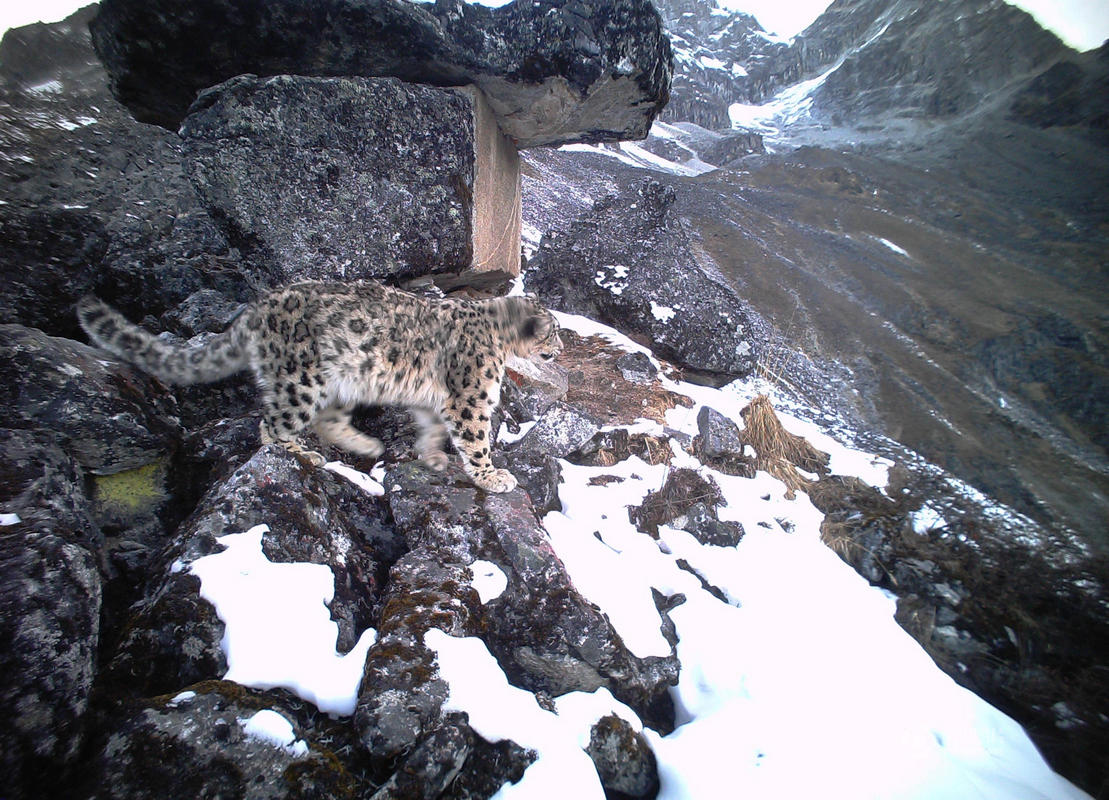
x: 468, y: 420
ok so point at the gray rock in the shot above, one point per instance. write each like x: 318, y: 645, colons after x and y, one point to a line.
x: 95, y: 201
x: 636, y: 367
x: 544, y: 634
x: 554, y: 72
x: 363, y: 177
x: 173, y: 637
x: 538, y: 385
x: 203, y: 310
x: 702, y: 523
x: 50, y: 600
x: 108, y: 417
x: 199, y: 743
x: 560, y: 431
x: 624, y: 761
x: 719, y: 436
x: 432, y: 766
x: 631, y: 264
x: 539, y: 475
x: 401, y: 698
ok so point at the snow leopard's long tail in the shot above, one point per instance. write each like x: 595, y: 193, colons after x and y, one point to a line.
x: 218, y: 357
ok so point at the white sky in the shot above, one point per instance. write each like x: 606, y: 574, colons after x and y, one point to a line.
x: 1083, y: 24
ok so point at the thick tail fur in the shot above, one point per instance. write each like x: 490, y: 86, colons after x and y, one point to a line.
x: 218, y: 357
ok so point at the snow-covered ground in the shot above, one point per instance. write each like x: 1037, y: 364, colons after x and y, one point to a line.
x: 800, y: 685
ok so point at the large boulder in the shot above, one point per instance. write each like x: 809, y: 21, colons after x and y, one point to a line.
x: 364, y: 177
x: 633, y: 265
x: 108, y: 417
x: 554, y: 72
x: 218, y: 740
x: 50, y: 602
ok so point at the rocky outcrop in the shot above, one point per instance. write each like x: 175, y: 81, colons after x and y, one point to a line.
x: 930, y: 59
x: 554, y: 72
x: 721, y: 56
x: 94, y: 200
x: 1073, y: 92
x: 50, y: 602
x: 545, y: 635
x: 174, y: 636
x: 400, y: 561
x: 633, y: 265
x: 362, y: 177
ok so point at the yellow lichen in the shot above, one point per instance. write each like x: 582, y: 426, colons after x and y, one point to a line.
x: 130, y: 492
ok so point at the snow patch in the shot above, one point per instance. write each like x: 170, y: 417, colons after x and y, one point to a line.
x: 895, y: 248
x: 183, y: 697
x: 612, y: 277
x: 50, y: 87
x: 926, y: 519
x: 662, y: 313
x: 359, y: 479
x: 497, y: 711
x: 272, y: 728
x: 278, y: 629
x: 489, y: 580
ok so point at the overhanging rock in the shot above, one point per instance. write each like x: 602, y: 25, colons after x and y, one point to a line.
x: 555, y: 71
x: 341, y: 178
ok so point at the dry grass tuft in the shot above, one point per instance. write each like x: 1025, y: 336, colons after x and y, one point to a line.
x: 780, y: 452
x: 682, y: 489
x: 597, y: 386
x: 615, y: 446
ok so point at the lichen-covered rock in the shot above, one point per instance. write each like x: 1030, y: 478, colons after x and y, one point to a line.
x: 719, y: 436
x: 554, y: 71
x: 364, y: 177
x: 719, y: 444
x: 432, y: 766
x: 50, y: 599
x: 401, y: 697
x: 217, y: 740
x: 631, y: 264
x: 539, y: 475
x: 624, y: 761
x: 108, y: 417
x: 534, y: 387
x: 174, y: 636
x: 636, y: 367
x: 544, y: 634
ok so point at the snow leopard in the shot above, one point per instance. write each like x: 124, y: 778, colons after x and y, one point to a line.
x: 318, y: 349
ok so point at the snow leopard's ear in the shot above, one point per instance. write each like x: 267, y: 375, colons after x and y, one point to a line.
x: 537, y: 324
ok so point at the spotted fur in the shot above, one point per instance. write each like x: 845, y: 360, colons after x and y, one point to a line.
x: 319, y: 349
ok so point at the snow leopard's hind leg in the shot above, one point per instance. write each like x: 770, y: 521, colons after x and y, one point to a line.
x: 333, y: 425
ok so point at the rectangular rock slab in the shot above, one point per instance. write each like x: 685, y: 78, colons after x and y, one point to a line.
x: 497, y: 214
x: 347, y: 178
